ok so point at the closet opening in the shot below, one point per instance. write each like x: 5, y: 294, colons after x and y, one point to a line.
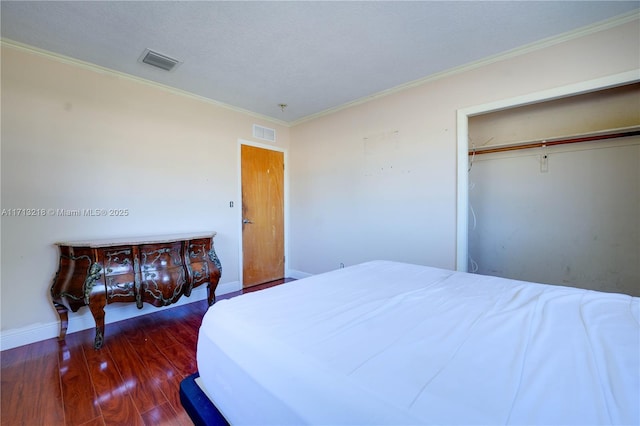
x: 549, y: 186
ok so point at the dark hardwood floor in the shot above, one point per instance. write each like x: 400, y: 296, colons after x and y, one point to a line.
x: 133, y: 380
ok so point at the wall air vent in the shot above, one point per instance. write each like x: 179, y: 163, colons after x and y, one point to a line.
x: 158, y: 60
x: 264, y: 133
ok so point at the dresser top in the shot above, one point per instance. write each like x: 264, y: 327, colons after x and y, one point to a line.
x: 137, y: 240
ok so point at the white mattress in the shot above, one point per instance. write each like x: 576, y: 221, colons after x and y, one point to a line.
x: 392, y: 343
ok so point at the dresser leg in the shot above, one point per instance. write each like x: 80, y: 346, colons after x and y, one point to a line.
x: 211, y: 295
x: 99, y: 340
x: 64, y: 319
x: 97, y: 309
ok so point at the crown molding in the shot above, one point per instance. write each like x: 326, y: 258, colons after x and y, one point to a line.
x: 532, y: 47
x: 4, y: 42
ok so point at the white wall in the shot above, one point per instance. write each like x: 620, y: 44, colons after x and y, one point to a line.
x: 74, y: 137
x: 575, y: 222
x: 345, y: 211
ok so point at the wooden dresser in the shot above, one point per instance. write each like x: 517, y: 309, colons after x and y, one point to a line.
x: 155, y: 270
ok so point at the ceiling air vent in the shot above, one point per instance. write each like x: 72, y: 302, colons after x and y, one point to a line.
x: 158, y: 60
x: 264, y: 133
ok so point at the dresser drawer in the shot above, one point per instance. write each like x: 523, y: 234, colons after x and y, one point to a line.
x: 117, y: 261
x: 198, y: 250
x: 120, y: 288
x: 161, y: 287
x: 160, y: 256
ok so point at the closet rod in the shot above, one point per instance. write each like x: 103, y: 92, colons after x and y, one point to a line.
x: 552, y: 142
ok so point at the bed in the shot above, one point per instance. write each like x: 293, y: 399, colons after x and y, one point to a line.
x: 391, y: 343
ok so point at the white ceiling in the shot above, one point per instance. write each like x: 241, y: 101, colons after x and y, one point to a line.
x: 313, y: 56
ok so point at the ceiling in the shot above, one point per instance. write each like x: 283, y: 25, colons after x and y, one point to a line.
x: 312, y: 56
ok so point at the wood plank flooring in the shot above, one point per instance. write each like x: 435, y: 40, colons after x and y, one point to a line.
x: 133, y: 380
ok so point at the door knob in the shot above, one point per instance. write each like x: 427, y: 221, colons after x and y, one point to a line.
x: 246, y: 221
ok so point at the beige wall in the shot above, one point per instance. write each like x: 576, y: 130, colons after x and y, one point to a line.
x: 378, y: 179
x: 78, y: 138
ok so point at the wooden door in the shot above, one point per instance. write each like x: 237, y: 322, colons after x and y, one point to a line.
x: 262, y: 215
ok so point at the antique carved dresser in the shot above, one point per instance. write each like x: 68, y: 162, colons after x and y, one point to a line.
x: 157, y: 271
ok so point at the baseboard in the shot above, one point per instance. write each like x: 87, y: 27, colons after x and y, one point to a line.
x: 229, y: 287
x: 83, y: 320
x: 292, y: 273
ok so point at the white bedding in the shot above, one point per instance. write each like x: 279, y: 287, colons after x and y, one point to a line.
x: 391, y: 343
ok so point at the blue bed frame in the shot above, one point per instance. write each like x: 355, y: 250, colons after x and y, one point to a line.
x: 198, y: 405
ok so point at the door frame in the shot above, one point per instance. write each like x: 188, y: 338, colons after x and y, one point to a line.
x: 462, y: 202
x: 285, y: 207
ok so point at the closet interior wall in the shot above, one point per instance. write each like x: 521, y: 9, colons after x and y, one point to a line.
x: 565, y: 214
